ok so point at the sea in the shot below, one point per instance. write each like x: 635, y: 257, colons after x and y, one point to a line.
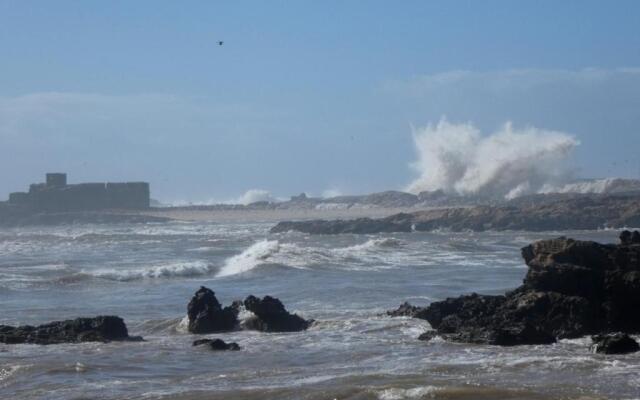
x: 147, y: 273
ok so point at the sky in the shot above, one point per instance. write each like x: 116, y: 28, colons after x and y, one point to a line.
x: 305, y: 96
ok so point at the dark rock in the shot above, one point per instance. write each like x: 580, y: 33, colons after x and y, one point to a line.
x: 206, y: 315
x: 428, y: 335
x: 217, y: 344
x: 98, y: 329
x: 572, y: 288
x: 614, y: 343
x: 625, y: 237
x: 395, y: 223
x: 405, y: 310
x: 271, y: 316
x: 573, y: 212
x: 482, y: 319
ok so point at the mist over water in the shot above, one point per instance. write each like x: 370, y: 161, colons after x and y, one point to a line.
x: 457, y: 159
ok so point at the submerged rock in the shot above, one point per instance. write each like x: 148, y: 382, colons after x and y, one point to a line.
x: 572, y: 288
x: 271, y: 316
x: 98, y: 329
x: 614, y: 343
x: 206, y: 315
x: 216, y: 344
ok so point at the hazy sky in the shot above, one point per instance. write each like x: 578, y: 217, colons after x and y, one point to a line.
x: 303, y: 96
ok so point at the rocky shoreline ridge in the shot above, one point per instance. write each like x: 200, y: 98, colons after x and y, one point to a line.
x: 572, y: 289
x: 575, y: 213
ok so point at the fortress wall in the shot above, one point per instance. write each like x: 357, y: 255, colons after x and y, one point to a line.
x: 56, y: 196
x: 128, y: 195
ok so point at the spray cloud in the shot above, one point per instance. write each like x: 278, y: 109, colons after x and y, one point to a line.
x: 508, y: 163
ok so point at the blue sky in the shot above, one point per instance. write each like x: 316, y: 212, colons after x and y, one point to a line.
x: 303, y: 96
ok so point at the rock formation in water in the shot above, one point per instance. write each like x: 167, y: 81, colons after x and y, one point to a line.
x: 206, y: 315
x: 572, y: 288
x: 216, y: 344
x: 98, y: 329
x: 614, y: 343
x: 271, y: 316
x: 581, y: 212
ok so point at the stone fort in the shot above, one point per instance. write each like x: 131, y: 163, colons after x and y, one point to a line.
x: 55, y: 195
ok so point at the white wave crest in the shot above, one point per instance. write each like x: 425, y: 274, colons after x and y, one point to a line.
x: 178, y: 269
x: 253, y: 256
x: 373, y: 244
x: 419, y: 392
x: 511, y: 162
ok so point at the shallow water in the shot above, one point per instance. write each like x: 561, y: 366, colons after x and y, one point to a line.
x: 147, y: 274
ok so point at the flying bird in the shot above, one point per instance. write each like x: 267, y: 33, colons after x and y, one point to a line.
x: 220, y: 43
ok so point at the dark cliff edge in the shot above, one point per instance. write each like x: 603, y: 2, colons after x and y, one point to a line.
x: 583, y: 212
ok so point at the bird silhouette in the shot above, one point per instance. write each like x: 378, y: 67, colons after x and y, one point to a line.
x: 220, y: 43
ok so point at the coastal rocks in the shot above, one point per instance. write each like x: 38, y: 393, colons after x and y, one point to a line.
x: 405, y: 310
x: 574, y: 212
x: 572, y: 288
x: 217, y: 344
x: 98, y: 329
x: 614, y: 343
x: 396, y: 223
x: 206, y: 315
x: 271, y: 316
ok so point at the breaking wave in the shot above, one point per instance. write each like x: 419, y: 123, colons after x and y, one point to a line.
x: 457, y: 159
x: 374, y: 244
x: 256, y: 254
x: 180, y: 269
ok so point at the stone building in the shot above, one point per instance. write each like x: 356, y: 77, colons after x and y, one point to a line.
x: 56, y: 195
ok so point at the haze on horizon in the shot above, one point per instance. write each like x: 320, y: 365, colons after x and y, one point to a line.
x: 330, y: 97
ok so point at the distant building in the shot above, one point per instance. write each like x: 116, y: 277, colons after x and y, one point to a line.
x: 56, y: 195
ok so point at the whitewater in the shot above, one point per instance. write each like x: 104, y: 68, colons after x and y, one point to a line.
x: 147, y: 274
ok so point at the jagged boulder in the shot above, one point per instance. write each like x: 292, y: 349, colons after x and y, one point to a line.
x: 572, y: 288
x: 405, y: 310
x: 206, y: 315
x: 271, y: 316
x: 614, y: 343
x: 216, y: 344
x: 98, y: 329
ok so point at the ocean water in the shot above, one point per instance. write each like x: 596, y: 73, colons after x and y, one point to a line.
x: 147, y: 274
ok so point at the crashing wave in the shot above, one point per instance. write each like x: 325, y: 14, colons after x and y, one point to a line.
x: 253, y: 256
x: 179, y: 269
x: 458, y: 160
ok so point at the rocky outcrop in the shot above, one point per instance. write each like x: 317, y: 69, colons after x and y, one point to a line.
x: 216, y: 344
x: 579, y: 212
x: 98, y: 329
x: 206, y: 315
x: 614, y: 343
x: 405, y: 310
x: 396, y: 223
x: 271, y: 316
x: 572, y: 288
